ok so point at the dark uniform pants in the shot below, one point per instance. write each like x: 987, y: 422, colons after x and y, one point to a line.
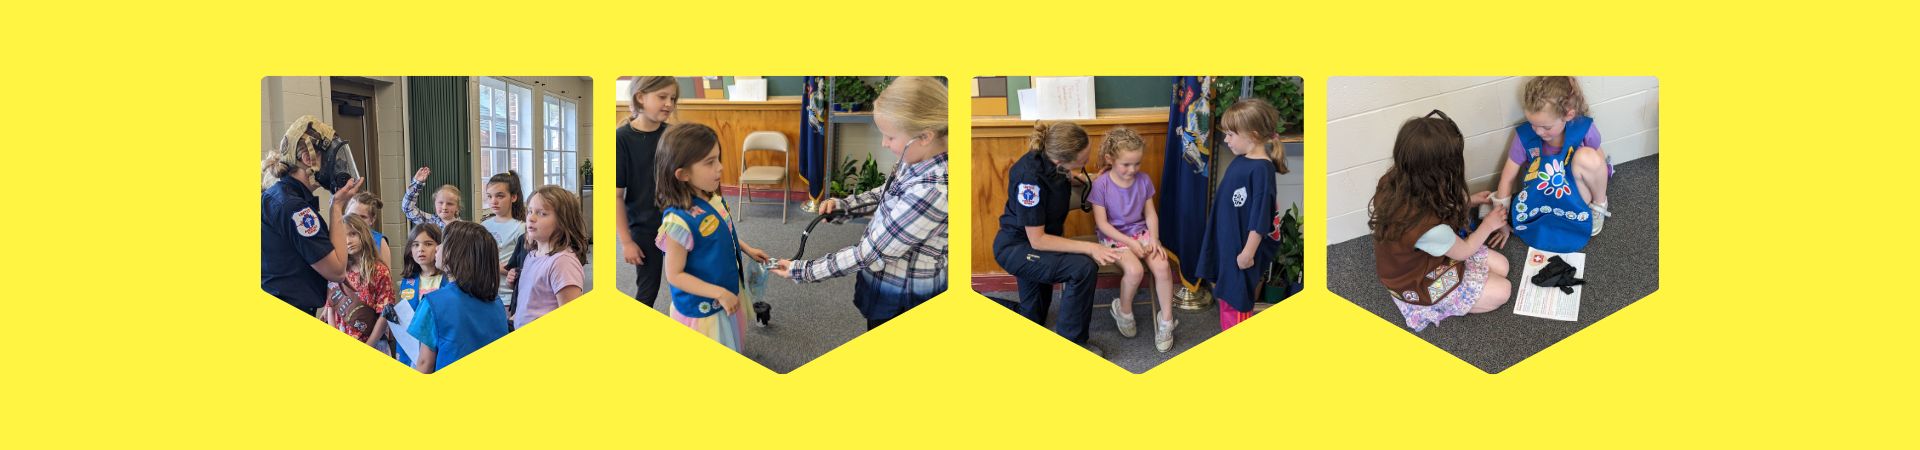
x: 1037, y: 272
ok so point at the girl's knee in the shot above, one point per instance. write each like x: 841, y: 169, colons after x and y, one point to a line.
x: 1497, y: 264
x: 1589, y: 159
x: 1495, y: 295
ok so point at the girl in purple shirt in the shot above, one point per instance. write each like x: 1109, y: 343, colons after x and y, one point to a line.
x: 1124, y: 214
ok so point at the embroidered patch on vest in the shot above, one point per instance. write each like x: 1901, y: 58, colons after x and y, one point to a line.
x: 709, y: 225
x: 1440, y: 287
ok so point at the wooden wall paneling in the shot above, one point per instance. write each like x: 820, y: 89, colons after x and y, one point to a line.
x: 733, y: 121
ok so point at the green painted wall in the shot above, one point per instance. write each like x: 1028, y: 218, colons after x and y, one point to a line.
x: 776, y: 86
x: 1108, y: 92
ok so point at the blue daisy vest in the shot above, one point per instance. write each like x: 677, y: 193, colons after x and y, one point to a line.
x: 714, y: 259
x: 1548, y: 212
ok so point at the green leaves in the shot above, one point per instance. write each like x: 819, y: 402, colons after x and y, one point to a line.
x: 1283, y: 92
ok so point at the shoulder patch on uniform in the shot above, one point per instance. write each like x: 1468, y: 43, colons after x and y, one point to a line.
x: 306, y: 222
x: 1240, y: 197
x: 1029, y: 195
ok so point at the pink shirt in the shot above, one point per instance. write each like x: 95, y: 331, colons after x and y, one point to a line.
x: 542, y: 276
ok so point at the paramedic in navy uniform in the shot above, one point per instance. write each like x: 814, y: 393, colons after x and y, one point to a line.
x: 299, y: 253
x: 1029, y: 245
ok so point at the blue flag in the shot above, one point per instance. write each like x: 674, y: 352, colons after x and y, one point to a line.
x: 1184, y: 179
x: 813, y: 138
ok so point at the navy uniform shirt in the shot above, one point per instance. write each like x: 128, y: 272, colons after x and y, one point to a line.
x: 293, y: 236
x: 1037, y: 195
x: 1242, y: 204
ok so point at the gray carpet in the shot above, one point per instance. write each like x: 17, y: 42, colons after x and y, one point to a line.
x: 808, y: 319
x: 1136, y: 354
x: 1623, y: 265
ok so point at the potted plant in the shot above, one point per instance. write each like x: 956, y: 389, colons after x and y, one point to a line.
x: 586, y: 173
x: 851, y: 94
x: 854, y: 177
x: 1283, y: 92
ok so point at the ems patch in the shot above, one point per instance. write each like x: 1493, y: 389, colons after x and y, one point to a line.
x: 1239, y: 197
x: 306, y: 222
x: 708, y: 225
x: 1029, y: 195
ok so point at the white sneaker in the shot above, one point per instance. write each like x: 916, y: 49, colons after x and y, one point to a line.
x: 1163, y: 334
x: 1600, y: 215
x: 1125, y: 323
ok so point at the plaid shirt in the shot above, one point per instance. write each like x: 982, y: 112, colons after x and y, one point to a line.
x: 908, y: 235
x: 415, y: 215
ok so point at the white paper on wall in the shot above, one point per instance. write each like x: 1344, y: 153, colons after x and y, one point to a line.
x: 1029, y: 105
x: 1060, y: 98
x: 753, y: 90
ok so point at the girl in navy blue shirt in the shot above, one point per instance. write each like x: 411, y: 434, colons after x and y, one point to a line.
x: 1239, y: 240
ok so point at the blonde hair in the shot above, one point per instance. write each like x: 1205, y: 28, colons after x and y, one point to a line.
x: 369, y: 255
x: 450, y: 189
x: 641, y: 86
x: 1059, y: 141
x: 373, y: 203
x: 1556, y: 95
x: 566, y: 210
x: 1256, y: 117
x: 919, y: 104
x: 1119, y: 139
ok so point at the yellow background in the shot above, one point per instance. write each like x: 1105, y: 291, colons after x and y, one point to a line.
x: 133, y: 315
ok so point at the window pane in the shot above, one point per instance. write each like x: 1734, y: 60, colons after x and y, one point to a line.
x: 525, y: 166
x: 572, y: 125
x: 486, y: 98
x: 572, y: 171
x: 522, y: 115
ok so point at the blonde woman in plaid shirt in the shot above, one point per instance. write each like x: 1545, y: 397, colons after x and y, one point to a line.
x: 902, y: 258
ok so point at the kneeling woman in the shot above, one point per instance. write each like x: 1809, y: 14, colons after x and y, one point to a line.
x: 902, y: 258
x: 1030, y: 246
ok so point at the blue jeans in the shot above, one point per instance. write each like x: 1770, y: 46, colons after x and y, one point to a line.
x: 881, y: 300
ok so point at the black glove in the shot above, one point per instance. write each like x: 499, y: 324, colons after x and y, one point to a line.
x: 1558, y: 274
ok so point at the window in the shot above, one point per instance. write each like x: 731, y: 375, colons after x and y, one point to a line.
x: 562, y: 145
x: 506, y: 130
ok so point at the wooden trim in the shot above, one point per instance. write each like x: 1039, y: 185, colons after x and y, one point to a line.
x: 1012, y: 126
x: 711, y: 104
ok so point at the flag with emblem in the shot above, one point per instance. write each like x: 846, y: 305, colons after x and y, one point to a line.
x: 813, y: 138
x: 1183, y: 180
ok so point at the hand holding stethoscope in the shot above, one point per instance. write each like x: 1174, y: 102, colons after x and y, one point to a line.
x: 827, y: 209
